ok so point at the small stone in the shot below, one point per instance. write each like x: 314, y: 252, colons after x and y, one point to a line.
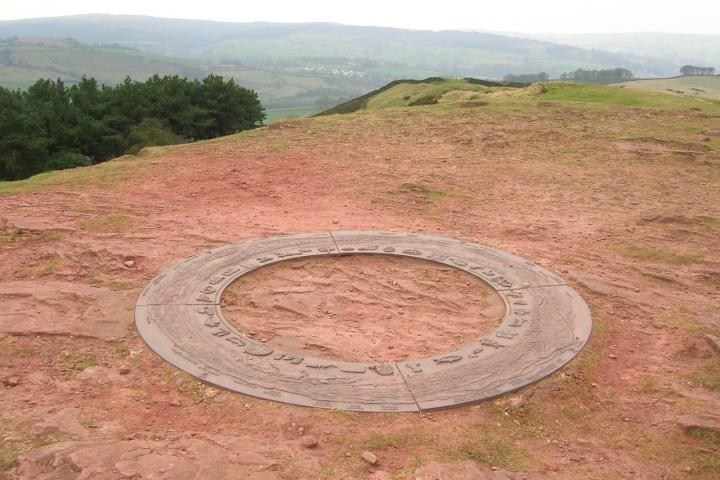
x: 124, y: 370
x: 301, y: 430
x: 129, y: 263
x: 369, y: 457
x: 175, y: 403
x: 613, y: 356
x: 13, y: 381
x: 308, y: 441
x: 593, y: 385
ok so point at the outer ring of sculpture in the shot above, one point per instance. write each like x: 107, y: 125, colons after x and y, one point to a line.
x: 546, y: 324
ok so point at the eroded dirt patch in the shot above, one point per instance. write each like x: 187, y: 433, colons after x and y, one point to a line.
x: 362, y: 307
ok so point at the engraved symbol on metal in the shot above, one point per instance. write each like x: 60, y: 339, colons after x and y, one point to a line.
x: 546, y: 324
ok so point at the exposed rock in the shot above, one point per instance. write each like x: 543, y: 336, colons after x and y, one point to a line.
x: 65, y: 421
x: 595, y: 284
x: 713, y: 341
x: 129, y: 263
x: 454, y: 471
x: 308, y: 441
x: 60, y: 308
x: 369, y: 458
x: 699, y: 422
x: 12, y: 381
x: 188, y: 458
x: 124, y: 370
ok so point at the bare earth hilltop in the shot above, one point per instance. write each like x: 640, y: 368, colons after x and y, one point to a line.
x: 616, y: 190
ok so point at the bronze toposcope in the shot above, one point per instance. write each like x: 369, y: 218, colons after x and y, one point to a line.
x: 545, y: 325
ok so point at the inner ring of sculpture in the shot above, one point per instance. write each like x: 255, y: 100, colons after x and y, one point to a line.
x: 545, y: 325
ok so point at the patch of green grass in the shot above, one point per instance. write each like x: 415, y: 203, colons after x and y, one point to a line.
x: 649, y: 385
x: 191, y: 388
x: 77, y: 361
x: 655, y: 254
x: 109, y: 223
x: 610, y: 95
x: 10, y: 451
x: 709, y: 221
x: 52, y: 266
x: 345, y: 414
x: 436, y: 194
x: 119, y: 286
x: 489, y: 449
x: 106, y: 175
x: 681, y: 318
x: 94, y: 281
x: 381, y: 441
x: 708, y: 376
x: 705, y: 460
x: 13, y: 236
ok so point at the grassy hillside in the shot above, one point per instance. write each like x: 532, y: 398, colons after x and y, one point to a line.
x: 452, y: 93
x: 694, y: 85
x: 377, y: 54
x: 24, y: 60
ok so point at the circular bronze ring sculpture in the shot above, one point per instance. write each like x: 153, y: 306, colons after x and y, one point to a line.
x: 545, y: 325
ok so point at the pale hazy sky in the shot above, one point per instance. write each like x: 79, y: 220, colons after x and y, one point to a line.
x: 531, y: 16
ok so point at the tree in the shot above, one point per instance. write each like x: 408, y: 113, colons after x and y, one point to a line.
x: 52, y: 126
x: 23, y: 145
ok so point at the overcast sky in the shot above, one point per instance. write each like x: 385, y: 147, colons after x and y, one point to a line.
x: 531, y: 16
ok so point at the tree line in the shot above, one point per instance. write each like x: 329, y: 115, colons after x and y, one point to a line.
x: 526, y: 77
x: 610, y: 75
x: 51, y: 126
x: 693, y: 70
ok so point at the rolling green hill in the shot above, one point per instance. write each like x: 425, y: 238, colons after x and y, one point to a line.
x: 23, y: 60
x: 378, y: 54
x: 694, y: 85
x: 469, y: 94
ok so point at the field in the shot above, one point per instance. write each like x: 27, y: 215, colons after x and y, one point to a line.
x: 274, y: 115
x: 694, y: 86
x: 616, y: 190
x: 24, y: 61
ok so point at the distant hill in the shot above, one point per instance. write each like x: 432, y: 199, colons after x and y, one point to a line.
x: 377, y: 54
x: 678, y: 48
x: 24, y: 60
x: 694, y: 85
